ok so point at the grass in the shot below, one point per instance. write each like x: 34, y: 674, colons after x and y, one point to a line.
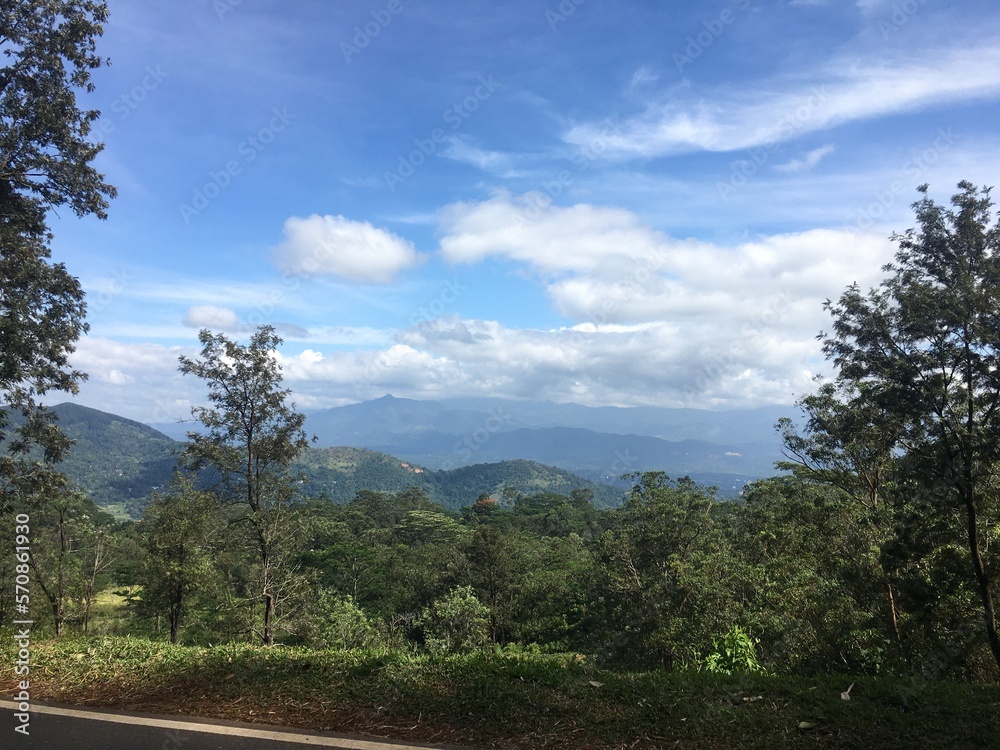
x: 509, y: 700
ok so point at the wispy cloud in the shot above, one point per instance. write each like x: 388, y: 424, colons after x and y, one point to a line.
x: 842, y: 91
x: 460, y: 149
x: 212, y: 316
x: 643, y: 77
x: 807, y: 162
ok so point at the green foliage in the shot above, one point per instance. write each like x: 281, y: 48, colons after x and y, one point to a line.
x: 663, y: 573
x: 458, y: 487
x: 252, y: 436
x: 116, y: 460
x: 71, y: 551
x: 733, y: 653
x: 180, y: 531
x: 343, y: 625
x: 912, y: 417
x: 457, y: 623
x: 45, y: 153
x: 516, y: 698
x: 44, y: 162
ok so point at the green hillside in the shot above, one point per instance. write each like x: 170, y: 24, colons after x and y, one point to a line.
x: 116, y: 461
x: 340, y: 472
x: 119, y: 462
x: 459, y: 487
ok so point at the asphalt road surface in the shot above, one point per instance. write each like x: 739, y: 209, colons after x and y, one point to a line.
x: 68, y: 728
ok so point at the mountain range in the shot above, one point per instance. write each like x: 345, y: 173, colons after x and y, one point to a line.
x: 454, y: 449
x: 725, y: 449
x: 119, y: 462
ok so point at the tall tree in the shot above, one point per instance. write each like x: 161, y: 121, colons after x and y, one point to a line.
x: 45, y: 150
x: 252, y: 435
x: 48, y: 53
x: 918, y: 368
x: 179, y: 531
x: 66, y: 529
x: 662, y: 573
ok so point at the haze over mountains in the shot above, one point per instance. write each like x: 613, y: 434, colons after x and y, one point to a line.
x: 726, y: 448
x: 453, y: 449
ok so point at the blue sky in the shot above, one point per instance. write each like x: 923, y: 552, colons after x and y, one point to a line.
x: 626, y: 203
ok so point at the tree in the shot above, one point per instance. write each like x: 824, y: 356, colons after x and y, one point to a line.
x: 457, y: 623
x: 918, y: 374
x: 663, y: 573
x: 45, y: 152
x: 252, y: 437
x: 179, y: 530
x: 45, y: 162
x: 64, y: 556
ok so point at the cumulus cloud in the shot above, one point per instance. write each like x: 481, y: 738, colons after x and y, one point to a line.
x: 156, y: 391
x: 652, y: 313
x: 211, y: 316
x: 651, y: 319
x: 551, y: 238
x: 610, y: 267
x: 336, y: 246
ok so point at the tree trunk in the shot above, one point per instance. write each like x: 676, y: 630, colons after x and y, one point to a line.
x: 175, y: 614
x: 982, y: 578
x: 268, y: 617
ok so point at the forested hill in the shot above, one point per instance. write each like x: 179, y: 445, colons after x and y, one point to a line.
x: 340, y: 472
x: 118, y: 463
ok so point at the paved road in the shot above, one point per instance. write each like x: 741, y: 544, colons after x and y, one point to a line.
x: 66, y: 728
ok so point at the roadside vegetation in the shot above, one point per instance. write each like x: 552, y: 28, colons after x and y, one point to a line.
x: 511, y: 699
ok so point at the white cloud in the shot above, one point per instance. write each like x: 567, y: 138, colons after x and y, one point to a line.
x: 210, y: 316
x: 653, y: 320
x: 642, y: 77
x: 807, y: 162
x: 844, y: 90
x: 547, y: 237
x: 117, y: 377
x: 353, y: 250
x: 460, y: 149
x: 156, y: 391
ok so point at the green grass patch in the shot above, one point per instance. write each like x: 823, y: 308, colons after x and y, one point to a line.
x: 515, y: 700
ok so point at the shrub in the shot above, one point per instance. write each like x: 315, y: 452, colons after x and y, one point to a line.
x: 457, y: 623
